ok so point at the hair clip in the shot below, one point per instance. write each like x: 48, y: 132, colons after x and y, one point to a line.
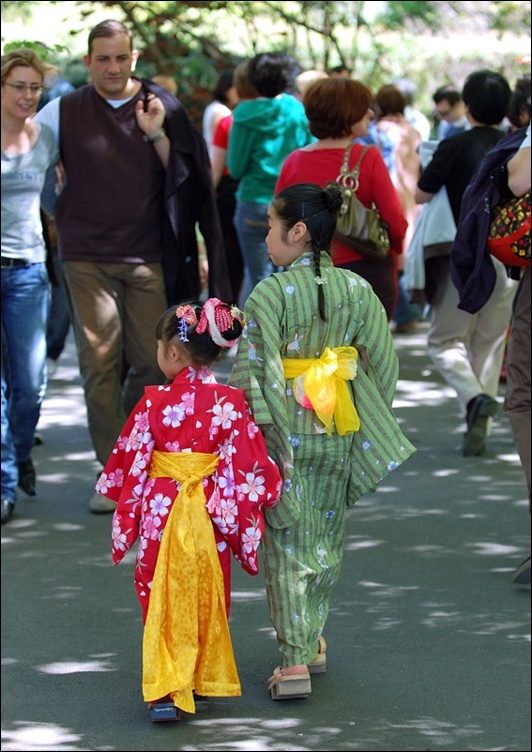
x: 237, y: 314
x: 186, y: 316
x: 216, y: 318
x: 320, y: 280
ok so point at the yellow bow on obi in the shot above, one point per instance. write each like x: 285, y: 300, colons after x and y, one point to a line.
x: 186, y: 645
x: 321, y: 383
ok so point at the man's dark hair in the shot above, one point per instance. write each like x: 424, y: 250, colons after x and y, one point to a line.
x: 109, y: 29
x: 447, y: 93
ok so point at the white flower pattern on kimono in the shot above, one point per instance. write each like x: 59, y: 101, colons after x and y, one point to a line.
x: 151, y: 525
x: 119, y: 536
x: 253, y: 429
x: 174, y: 415
x: 172, y: 446
x: 223, y: 414
x: 227, y: 449
x: 142, y: 461
x: 253, y: 486
x: 226, y: 482
x: 251, y: 538
x: 182, y: 418
x: 160, y: 504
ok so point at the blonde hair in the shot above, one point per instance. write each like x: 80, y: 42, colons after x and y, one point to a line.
x: 23, y: 57
x: 305, y: 79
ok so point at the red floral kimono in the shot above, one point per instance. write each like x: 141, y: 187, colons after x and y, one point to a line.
x: 230, y: 469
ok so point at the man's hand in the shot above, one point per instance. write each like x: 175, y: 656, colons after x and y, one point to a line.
x: 150, y: 121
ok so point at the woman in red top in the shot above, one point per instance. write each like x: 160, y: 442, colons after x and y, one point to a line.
x: 338, y: 111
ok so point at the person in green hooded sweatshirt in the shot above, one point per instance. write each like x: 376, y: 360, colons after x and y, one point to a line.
x: 264, y: 131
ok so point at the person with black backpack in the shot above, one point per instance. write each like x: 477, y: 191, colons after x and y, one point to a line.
x: 503, y: 174
x: 468, y: 348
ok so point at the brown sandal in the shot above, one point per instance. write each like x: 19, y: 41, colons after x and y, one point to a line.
x: 318, y: 665
x: 289, y: 686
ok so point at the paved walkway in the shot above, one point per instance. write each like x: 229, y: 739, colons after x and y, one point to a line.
x: 428, y: 636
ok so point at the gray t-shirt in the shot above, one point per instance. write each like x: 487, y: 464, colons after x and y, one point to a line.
x: 23, y: 177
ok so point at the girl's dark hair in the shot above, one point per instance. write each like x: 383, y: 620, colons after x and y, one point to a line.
x: 318, y: 208
x: 200, y: 347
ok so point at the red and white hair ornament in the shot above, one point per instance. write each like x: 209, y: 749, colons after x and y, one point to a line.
x: 216, y: 318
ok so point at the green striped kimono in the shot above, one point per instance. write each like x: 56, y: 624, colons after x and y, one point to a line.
x: 304, y: 538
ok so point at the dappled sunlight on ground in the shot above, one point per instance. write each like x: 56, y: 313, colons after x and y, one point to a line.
x: 428, y: 638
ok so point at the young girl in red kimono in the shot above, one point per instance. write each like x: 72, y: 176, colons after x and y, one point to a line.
x: 190, y: 474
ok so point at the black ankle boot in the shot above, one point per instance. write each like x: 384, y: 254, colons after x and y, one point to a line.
x: 26, y: 477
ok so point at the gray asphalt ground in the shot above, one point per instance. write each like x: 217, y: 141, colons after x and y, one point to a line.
x: 429, y: 638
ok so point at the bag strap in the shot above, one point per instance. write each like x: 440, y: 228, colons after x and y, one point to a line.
x: 349, y: 177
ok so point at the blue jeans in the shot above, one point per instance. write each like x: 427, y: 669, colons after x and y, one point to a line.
x: 24, y: 314
x: 251, y: 225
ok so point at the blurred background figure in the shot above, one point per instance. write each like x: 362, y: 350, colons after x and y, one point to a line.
x: 264, y: 131
x: 450, y: 111
x: 304, y: 79
x: 406, y: 140
x: 224, y: 99
x: 519, y: 109
x: 414, y: 116
x: 226, y: 186
x: 167, y: 82
x: 58, y: 324
x: 340, y: 71
x: 467, y: 349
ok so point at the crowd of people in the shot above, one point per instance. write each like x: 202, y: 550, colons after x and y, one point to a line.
x: 223, y: 239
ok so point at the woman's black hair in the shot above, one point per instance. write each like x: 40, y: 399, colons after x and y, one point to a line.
x: 272, y: 73
x: 487, y: 95
x: 200, y: 347
x: 318, y: 208
x: 519, y: 107
x: 224, y: 83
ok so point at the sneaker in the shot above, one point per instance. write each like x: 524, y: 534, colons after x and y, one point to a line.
x: 522, y: 573
x: 101, y: 505
x: 479, y: 409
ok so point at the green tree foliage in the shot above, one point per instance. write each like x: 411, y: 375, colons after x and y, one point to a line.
x: 430, y: 42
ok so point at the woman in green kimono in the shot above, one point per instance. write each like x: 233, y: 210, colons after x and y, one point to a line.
x: 318, y: 366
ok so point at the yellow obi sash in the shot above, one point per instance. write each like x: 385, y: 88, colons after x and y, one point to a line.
x: 186, y: 643
x: 323, y: 382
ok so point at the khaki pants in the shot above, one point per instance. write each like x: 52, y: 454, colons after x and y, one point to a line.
x: 468, y: 349
x: 114, y: 309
